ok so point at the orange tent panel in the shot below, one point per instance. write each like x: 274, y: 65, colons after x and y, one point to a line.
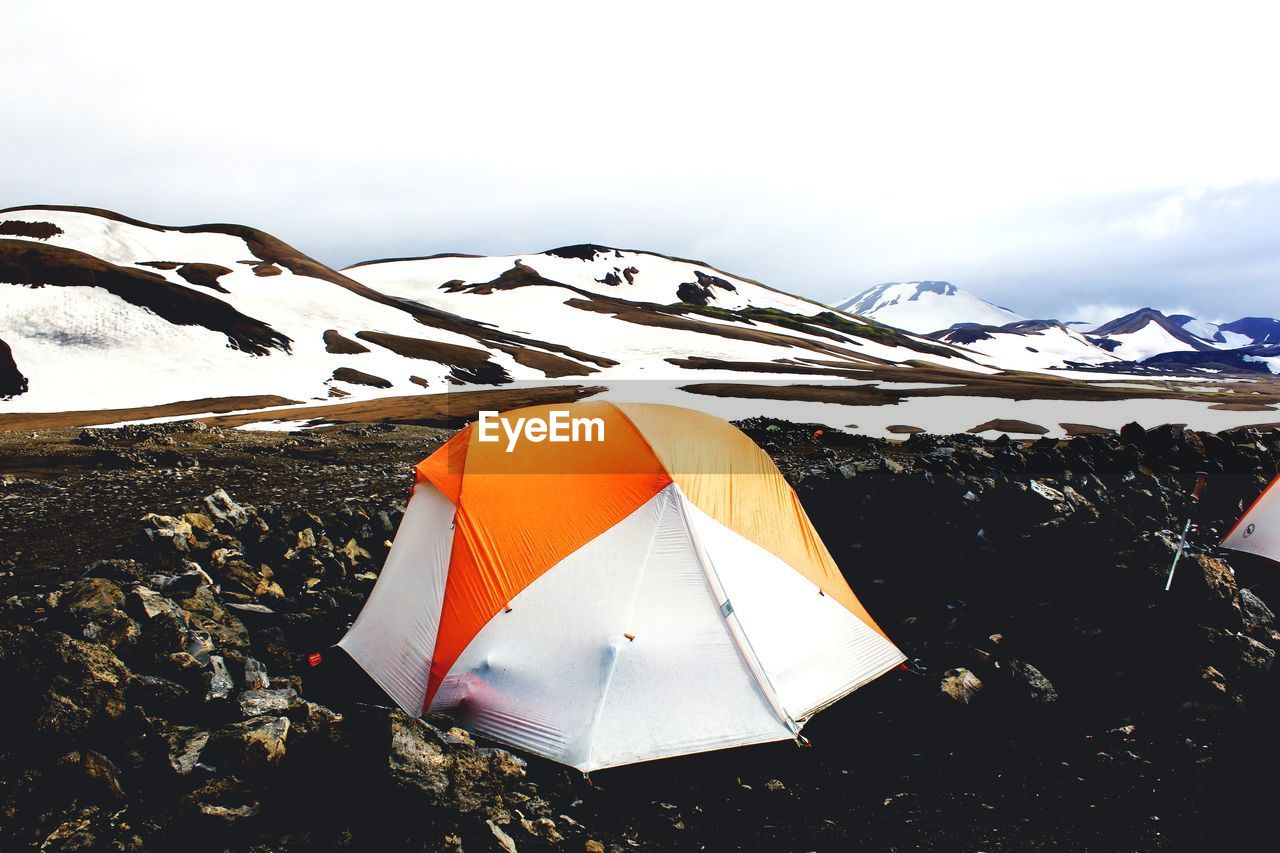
x: 517, y: 518
x: 727, y: 476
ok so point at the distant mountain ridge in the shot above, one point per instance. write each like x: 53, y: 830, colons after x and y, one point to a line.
x: 946, y: 313
x: 102, y: 311
x: 1260, y: 330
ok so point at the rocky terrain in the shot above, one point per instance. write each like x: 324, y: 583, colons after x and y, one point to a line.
x: 162, y: 586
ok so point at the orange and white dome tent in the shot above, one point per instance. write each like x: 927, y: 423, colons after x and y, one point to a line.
x: 655, y: 593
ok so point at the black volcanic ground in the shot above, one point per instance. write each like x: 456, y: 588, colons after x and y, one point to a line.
x: 1110, y: 714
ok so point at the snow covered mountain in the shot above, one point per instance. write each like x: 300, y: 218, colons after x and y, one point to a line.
x: 997, y: 335
x: 1251, y: 330
x: 924, y: 307
x: 1029, y: 345
x: 648, y: 312
x: 100, y: 311
x: 1145, y: 333
x: 1245, y: 332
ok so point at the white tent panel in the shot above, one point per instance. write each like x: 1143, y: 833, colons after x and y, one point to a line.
x: 811, y: 648
x: 534, y: 675
x: 682, y: 685
x: 395, y: 634
x: 1258, y: 530
x: 558, y: 677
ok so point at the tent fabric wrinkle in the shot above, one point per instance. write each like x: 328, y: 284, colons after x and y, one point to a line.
x: 394, y: 636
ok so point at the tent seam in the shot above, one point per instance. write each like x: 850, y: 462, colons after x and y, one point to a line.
x: 643, y: 438
x: 631, y: 610
x: 740, y: 640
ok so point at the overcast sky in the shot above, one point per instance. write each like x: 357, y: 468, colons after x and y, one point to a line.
x: 1068, y: 160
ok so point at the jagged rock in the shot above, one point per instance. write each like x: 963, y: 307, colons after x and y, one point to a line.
x: 1080, y: 503
x: 250, y: 609
x: 166, y: 644
x: 543, y: 828
x: 75, y: 833
x: 167, y: 538
x: 1208, y: 584
x: 225, y: 802
x: 502, y: 841
x: 1132, y: 433
x: 1173, y: 444
x: 960, y: 685
x: 1254, y: 655
x: 157, y: 695
x: 415, y: 760
x: 354, y: 553
x: 201, y: 525
x: 270, y: 643
x: 254, y: 703
x: 306, y: 539
x: 206, y: 613
x: 200, y: 646
x: 226, y: 510
x: 1039, y: 687
x: 449, y: 771
x: 255, y: 744
x: 94, y: 774
x: 207, y: 536
x: 313, y: 722
x: 1214, y: 681
x: 92, y: 598
x: 146, y: 604
x: 1255, y: 611
x: 220, y: 683
x: 184, y: 747
x: 123, y: 572
x: 479, y: 774
x: 1047, y: 492
x: 185, y: 583
x: 219, y: 557
x: 268, y: 589
x: 255, y: 675
x: 233, y: 571
x: 68, y: 685
x: 94, y: 609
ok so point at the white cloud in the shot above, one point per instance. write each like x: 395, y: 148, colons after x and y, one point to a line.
x: 821, y: 148
x: 1165, y: 218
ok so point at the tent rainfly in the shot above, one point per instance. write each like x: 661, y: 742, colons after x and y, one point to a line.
x: 655, y: 593
x: 1258, y: 530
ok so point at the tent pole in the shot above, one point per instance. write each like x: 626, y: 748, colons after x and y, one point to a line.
x: 1182, y: 543
x: 1201, y: 478
x: 741, y: 641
